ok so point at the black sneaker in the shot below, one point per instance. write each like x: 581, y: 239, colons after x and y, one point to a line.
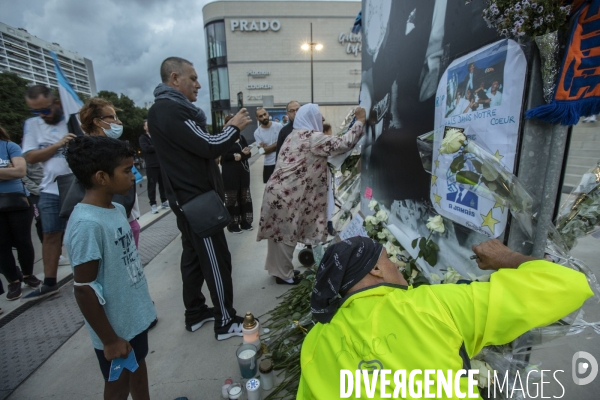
x: 234, y: 328
x: 43, y: 290
x: 153, y: 324
x: 14, y: 291
x: 295, y: 281
x: 234, y: 229
x: 246, y: 227
x: 207, y: 316
x: 296, y: 272
x: 32, y: 281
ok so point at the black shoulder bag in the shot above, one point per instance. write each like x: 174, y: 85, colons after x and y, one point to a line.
x: 206, y: 213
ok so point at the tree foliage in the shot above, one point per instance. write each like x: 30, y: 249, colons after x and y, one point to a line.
x: 13, y: 109
x: 131, y: 116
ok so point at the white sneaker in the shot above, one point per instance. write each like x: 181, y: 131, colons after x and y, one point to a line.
x: 154, y: 209
x: 62, y: 260
x: 591, y: 118
x: 165, y: 205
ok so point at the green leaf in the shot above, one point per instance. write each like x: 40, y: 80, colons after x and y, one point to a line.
x: 477, y: 165
x: 414, y: 243
x: 457, y: 164
x: 422, y: 244
x: 431, y: 259
x: 467, y: 177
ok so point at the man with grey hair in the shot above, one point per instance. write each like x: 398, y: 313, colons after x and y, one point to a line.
x: 187, y: 154
x: 291, y: 110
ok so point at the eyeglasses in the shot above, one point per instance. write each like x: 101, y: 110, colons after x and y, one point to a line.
x: 114, y: 117
x: 41, y: 111
x: 293, y: 111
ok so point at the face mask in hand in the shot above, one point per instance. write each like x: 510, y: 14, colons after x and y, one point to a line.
x: 114, y: 132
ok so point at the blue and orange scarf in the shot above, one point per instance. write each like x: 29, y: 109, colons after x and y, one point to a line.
x: 577, y: 91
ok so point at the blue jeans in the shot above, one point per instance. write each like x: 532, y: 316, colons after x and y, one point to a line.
x: 49, y: 207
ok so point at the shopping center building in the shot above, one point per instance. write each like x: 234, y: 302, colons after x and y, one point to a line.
x: 255, y: 56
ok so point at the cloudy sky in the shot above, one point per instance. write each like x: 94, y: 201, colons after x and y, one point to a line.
x: 125, y: 39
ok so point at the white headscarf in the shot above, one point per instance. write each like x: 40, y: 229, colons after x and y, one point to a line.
x: 309, y: 118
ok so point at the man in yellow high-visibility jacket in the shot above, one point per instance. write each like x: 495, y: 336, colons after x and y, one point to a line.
x: 370, y: 319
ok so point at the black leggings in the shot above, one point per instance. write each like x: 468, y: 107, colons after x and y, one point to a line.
x: 16, y: 232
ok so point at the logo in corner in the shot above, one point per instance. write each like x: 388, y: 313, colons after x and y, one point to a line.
x: 580, y: 367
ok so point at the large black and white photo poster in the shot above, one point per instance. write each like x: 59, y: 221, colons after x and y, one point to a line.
x: 407, y: 46
x: 481, y: 92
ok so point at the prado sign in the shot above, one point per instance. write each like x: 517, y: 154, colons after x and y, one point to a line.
x: 263, y: 25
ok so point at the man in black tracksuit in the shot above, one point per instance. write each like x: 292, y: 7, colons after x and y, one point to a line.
x: 152, y: 170
x: 187, y: 155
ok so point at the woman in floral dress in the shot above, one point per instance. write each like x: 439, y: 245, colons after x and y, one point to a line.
x: 294, y: 207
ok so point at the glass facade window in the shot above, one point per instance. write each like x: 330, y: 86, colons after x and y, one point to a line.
x: 219, y: 84
x: 215, y: 40
x: 218, y: 75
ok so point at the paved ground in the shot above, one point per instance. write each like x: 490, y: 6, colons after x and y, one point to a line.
x: 195, y: 365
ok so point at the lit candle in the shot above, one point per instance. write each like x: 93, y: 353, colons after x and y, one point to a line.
x: 250, y: 330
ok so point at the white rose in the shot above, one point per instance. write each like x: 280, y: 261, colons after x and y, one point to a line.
x: 381, y: 216
x: 390, y: 249
x: 436, y: 224
x: 452, y: 276
x: 371, y: 220
x: 386, y: 231
x: 401, y: 264
x: 435, y: 277
x: 372, y: 205
x: 452, y: 142
x: 381, y: 235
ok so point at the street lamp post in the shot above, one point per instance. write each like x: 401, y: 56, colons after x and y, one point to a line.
x: 310, y: 46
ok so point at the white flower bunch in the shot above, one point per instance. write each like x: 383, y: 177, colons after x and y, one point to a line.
x: 381, y: 216
x: 518, y: 18
x: 371, y: 220
x: 436, y: 224
x: 372, y: 205
x: 393, y: 251
x: 452, y: 276
x: 452, y: 142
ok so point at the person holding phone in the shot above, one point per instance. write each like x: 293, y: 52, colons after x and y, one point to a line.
x: 44, y: 139
x: 236, y: 180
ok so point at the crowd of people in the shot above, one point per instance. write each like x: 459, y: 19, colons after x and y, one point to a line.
x: 182, y: 158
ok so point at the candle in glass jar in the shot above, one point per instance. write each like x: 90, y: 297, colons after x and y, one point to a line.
x: 235, y: 391
x: 253, y: 389
x: 250, y: 330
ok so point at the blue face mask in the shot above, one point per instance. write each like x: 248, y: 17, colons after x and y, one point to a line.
x: 114, y: 132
